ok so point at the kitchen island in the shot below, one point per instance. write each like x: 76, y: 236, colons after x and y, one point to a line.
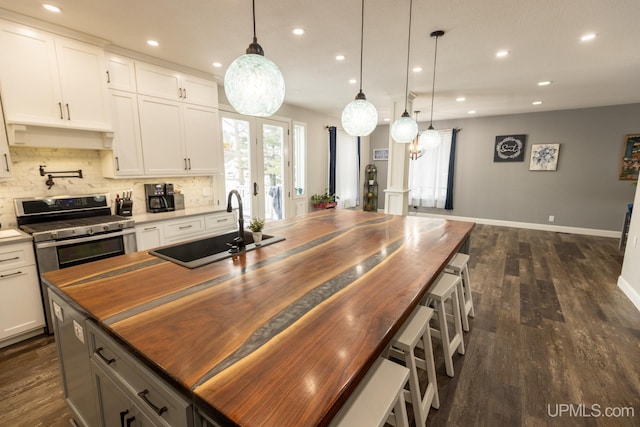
x: 279, y: 335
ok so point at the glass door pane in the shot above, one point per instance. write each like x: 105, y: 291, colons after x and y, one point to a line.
x: 236, y: 136
x: 273, y: 143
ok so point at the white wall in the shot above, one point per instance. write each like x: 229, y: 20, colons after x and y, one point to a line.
x: 629, y: 280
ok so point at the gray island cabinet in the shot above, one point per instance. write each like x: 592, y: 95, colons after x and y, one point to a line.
x: 103, y: 384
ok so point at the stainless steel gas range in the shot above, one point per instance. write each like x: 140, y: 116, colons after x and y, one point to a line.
x: 72, y: 230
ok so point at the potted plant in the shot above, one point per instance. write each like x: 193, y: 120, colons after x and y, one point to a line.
x: 324, y: 201
x: 256, y: 225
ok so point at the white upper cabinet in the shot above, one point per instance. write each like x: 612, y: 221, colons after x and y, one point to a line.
x: 169, y: 84
x: 52, y: 81
x: 204, y: 150
x: 121, y: 74
x: 5, y: 156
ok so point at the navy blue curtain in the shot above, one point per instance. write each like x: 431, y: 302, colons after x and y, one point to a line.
x: 448, y: 203
x: 332, y: 159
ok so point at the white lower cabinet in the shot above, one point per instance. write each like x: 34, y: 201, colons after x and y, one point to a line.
x: 155, y: 234
x: 20, y: 300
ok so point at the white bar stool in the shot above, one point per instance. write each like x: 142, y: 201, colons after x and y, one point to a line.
x: 379, y: 392
x: 446, y: 289
x: 416, y: 333
x: 458, y: 266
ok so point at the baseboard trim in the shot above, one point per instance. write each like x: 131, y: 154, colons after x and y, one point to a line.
x: 630, y: 292
x: 528, y: 225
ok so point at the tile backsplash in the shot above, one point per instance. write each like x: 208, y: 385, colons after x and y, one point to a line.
x: 27, y: 182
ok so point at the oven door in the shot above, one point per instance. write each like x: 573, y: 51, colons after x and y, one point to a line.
x: 55, y: 255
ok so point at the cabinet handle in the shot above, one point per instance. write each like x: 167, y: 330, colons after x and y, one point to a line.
x: 130, y: 421
x: 60, y: 107
x: 150, y: 228
x: 185, y: 164
x: 184, y: 92
x: 108, y: 77
x: 117, y: 163
x: 179, y: 92
x: 122, y: 415
x: 98, y: 352
x: 189, y: 160
x: 2, y: 276
x: 223, y: 220
x: 10, y: 259
x: 143, y: 396
x: 68, y: 113
x: 184, y: 227
x: 255, y: 188
x: 6, y: 161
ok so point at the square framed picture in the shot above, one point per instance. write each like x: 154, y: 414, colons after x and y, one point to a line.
x: 544, y: 157
x: 630, y: 158
x: 509, y: 148
x: 380, y: 154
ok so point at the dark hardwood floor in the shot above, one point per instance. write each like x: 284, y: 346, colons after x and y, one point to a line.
x: 552, y: 334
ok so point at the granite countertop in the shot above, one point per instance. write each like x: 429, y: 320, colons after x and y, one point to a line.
x: 182, y: 213
x: 280, y: 335
x: 11, y: 235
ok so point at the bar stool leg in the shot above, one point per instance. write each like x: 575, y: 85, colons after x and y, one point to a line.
x: 456, y: 319
x: 444, y: 336
x: 466, y: 283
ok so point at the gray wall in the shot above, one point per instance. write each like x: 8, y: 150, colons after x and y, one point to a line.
x: 584, y: 192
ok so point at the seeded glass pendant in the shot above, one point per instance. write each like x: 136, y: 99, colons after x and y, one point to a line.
x: 430, y: 139
x: 253, y: 84
x: 359, y: 117
x: 405, y: 129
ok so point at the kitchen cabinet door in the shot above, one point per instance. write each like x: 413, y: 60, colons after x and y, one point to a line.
x: 29, y: 76
x: 121, y: 73
x: 202, y: 138
x: 125, y: 159
x: 5, y: 156
x: 157, y: 81
x: 162, y: 136
x: 20, y: 301
x: 199, y: 91
x: 83, y: 84
x: 149, y: 236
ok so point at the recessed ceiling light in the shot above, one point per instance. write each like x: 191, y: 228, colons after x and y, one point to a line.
x: 544, y: 83
x: 153, y: 43
x: 461, y: 99
x: 502, y: 53
x: 52, y: 8
x: 340, y: 57
x: 417, y: 69
x: 387, y: 119
x: 353, y: 81
x: 217, y: 64
x: 588, y: 37
x: 537, y: 102
x: 298, y: 31
x: 472, y: 112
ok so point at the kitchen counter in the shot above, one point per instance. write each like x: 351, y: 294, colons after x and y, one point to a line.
x: 9, y: 236
x: 181, y: 213
x: 279, y: 335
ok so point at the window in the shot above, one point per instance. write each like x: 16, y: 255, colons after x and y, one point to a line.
x: 428, y: 175
x: 299, y: 158
x: 347, y: 170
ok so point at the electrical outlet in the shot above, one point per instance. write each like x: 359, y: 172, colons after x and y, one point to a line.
x: 78, y: 331
x: 552, y: 218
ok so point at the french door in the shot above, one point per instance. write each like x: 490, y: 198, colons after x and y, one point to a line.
x: 255, y: 159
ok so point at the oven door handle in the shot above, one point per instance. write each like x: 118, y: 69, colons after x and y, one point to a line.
x: 73, y: 241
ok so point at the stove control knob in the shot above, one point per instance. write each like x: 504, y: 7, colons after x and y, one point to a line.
x: 121, y: 224
x: 105, y: 227
x: 90, y: 231
x: 54, y: 234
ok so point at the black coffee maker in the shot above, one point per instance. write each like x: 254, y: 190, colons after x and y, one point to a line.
x: 159, y: 197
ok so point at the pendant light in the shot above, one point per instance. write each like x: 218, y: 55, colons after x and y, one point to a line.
x: 253, y: 84
x: 405, y: 129
x: 415, y: 149
x: 359, y: 117
x: 431, y: 138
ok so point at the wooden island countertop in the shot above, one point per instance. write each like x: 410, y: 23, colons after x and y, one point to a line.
x: 280, y: 335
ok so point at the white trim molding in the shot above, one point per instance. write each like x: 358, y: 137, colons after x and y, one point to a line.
x: 528, y: 225
x: 629, y: 291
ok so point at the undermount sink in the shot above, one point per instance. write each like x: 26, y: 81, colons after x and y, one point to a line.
x: 196, y: 253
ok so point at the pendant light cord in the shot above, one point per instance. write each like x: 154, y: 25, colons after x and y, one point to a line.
x: 433, y: 86
x: 255, y: 39
x: 406, y: 88
x: 361, y: 43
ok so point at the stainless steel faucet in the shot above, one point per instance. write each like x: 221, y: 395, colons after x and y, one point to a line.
x: 239, y: 245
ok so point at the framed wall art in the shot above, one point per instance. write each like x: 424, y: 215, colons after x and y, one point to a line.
x: 544, y: 157
x: 380, y: 154
x: 509, y: 148
x: 630, y: 157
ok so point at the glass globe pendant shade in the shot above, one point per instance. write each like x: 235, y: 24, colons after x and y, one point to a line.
x: 404, y: 130
x: 254, y: 85
x: 431, y: 139
x: 359, y: 117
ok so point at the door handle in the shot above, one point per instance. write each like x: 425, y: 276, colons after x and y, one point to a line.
x: 255, y: 188
x: 68, y: 113
x: 122, y: 415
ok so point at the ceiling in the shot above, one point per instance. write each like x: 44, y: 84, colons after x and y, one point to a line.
x: 542, y: 37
